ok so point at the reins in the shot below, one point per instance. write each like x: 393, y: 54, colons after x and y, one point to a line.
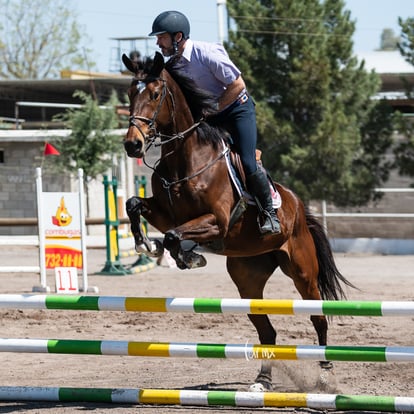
x: 166, y: 139
x: 168, y: 184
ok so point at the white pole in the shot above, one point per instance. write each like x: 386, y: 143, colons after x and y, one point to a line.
x: 83, y: 230
x: 42, y: 252
x: 324, y: 221
x: 130, y: 178
x: 221, y: 5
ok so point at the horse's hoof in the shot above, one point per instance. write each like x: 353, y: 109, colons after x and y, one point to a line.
x: 327, y: 380
x: 153, y: 249
x: 326, y: 365
x: 181, y: 265
x: 194, y: 260
x: 190, y: 260
x: 260, y: 387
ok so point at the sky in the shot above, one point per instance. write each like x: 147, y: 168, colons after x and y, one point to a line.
x: 107, y: 19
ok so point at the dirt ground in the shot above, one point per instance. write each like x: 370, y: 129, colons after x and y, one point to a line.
x: 378, y: 277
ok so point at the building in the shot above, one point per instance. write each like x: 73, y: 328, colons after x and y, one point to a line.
x: 27, y: 108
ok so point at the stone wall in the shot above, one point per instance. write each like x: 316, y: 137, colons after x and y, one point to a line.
x: 18, y: 183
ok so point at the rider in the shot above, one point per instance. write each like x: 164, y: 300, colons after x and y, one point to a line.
x: 210, y: 67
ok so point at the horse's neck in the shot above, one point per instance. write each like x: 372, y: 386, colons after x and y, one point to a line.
x: 182, y: 118
x: 186, y: 154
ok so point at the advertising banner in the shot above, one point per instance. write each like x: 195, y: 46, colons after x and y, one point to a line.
x: 62, y: 229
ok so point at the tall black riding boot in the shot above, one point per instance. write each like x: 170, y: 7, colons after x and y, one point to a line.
x: 258, y: 186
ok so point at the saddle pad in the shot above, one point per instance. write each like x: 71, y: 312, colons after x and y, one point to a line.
x: 276, y: 199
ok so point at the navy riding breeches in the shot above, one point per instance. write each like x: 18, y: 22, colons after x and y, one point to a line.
x: 239, y: 119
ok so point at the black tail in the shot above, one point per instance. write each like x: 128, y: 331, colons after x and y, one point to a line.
x: 329, y: 277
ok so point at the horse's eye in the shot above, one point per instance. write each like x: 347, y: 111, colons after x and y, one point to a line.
x: 155, y: 96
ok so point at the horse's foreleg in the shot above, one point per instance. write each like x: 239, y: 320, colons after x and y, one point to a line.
x: 199, y: 230
x: 143, y: 244
x: 267, y: 336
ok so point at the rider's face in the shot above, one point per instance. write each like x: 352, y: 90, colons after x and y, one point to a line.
x: 164, y: 42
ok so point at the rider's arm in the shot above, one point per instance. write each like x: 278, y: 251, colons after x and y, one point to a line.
x: 231, y: 93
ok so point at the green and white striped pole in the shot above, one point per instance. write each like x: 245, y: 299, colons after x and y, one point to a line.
x: 208, y: 305
x: 209, y: 398
x: 209, y: 350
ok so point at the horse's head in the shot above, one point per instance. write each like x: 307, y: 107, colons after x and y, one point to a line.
x: 147, y: 95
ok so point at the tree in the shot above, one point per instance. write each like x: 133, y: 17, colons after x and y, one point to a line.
x: 389, y: 41
x: 314, y: 105
x: 404, y: 151
x: 406, y: 44
x: 38, y: 38
x: 91, y: 144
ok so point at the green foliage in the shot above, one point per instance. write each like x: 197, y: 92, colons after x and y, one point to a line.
x: 406, y: 44
x: 91, y: 145
x: 39, y: 38
x: 389, y: 41
x: 314, y: 108
x: 404, y: 150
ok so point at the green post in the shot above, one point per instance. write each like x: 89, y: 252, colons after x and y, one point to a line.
x: 141, y: 191
x: 113, y: 266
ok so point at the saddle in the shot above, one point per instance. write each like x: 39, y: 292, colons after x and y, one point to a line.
x: 238, y: 177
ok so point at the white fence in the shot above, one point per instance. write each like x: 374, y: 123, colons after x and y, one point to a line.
x: 325, y: 214
x: 375, y: 245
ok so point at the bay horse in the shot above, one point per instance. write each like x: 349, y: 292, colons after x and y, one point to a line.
x: 195, y: 199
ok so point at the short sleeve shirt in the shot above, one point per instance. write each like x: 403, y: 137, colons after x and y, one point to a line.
x: 208, y: 65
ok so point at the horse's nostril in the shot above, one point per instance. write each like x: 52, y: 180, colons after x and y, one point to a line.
x: 132, y: 148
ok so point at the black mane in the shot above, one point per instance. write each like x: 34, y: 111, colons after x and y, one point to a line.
x: 200, y: 104
x: 198, y: 100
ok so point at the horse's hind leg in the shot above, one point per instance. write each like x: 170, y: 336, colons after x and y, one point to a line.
x: 250, y: 275
x: 302, y: 267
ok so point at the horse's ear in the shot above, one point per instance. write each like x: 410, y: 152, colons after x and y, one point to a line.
x: 130, y: 65
x: 158, y: 65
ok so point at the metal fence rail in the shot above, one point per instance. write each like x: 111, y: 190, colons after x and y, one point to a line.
x: 325, y: 214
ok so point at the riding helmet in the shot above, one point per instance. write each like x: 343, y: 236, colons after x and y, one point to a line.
x: 171, y: 22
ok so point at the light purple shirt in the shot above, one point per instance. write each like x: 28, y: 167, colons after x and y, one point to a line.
x: 208, y: 65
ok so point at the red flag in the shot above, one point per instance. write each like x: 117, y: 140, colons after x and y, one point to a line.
x: 50, y: 150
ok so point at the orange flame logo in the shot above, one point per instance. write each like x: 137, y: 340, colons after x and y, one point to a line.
x: 62, y: 217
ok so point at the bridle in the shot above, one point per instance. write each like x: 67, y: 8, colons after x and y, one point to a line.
x: 155, y: 137
x: 151, y: 122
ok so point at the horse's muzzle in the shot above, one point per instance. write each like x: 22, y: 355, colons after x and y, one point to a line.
x: 134, y: 149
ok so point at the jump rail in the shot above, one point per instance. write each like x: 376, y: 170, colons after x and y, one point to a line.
x: 206, y: 350
x: 209, y: 350
x: 209, y: 398
x: 208, y: 305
